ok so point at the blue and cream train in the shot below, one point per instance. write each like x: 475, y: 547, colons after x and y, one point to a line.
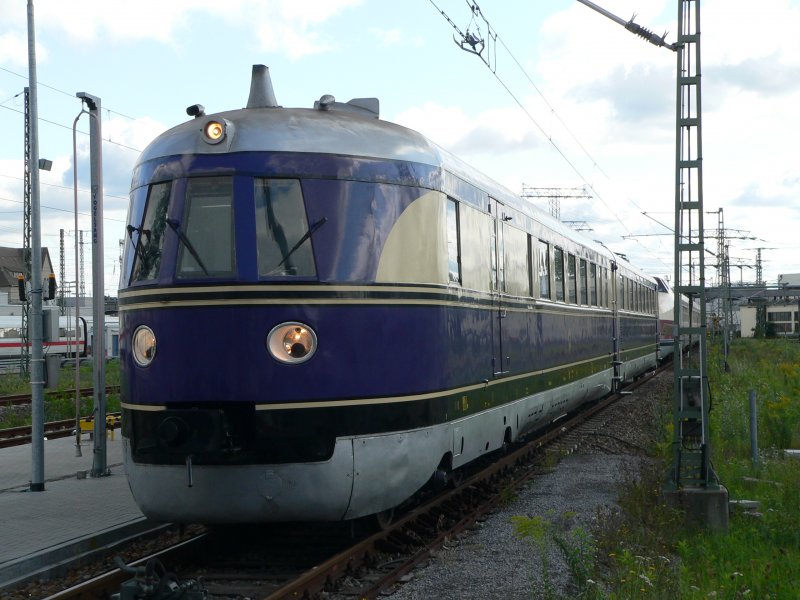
x: 321, y: 311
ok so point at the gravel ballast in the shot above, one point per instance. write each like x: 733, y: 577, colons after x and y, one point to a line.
x: 493, y: 561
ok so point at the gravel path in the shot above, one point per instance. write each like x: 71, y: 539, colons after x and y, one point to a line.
x: 492, y: 561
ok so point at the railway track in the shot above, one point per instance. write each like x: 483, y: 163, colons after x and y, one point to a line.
x: 364, y: 567
x: 16, y: 436
x: 23, y: 399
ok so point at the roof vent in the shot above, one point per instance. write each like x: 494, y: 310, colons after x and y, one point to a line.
x: 368, y: 107
x: 261, y: 92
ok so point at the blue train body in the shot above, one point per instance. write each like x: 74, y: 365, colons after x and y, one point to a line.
x: 319, y: 311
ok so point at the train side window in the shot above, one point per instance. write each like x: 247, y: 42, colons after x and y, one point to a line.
x: 207, y: 235
x: 593, y: 284
x: 643, y: 297
x: 572, y: 279
x: 584, y: 282
x: 558, y: 267
x: 639, y: 302
x: 517, y: 264
x: 283, y: 237
x: 631, y: 295
x: 147, y: 237
x: 601, y: 284
x: 544, y: 270
x: 453, y: 245
x: 531, y: 262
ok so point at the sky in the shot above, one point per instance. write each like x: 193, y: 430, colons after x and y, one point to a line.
x: 561, y: 97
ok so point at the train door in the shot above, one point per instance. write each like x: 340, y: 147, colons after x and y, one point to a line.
x: 617, y: 292
x: 498, y: 281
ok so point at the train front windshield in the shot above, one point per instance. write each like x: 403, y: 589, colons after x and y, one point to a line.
x: 192, y: 225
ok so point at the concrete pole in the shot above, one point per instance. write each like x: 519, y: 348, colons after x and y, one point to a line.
x: 77, y: 287
x: 99, y: 462
x: 753, y: 427
x: 35, y: 322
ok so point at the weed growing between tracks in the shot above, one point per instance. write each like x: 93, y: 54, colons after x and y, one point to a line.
x: 575, y: 545
x: 62, y: 405
x: 643, y: 550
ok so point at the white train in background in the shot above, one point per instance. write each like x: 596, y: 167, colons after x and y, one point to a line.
x: 59, y: 336
x: 111, y: 334
x: 666, y: 318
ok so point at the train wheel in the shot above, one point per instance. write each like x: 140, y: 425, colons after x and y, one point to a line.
x: 384, y: 519
x: 455, y: 478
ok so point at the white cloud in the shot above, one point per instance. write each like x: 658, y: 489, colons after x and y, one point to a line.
x: 395, y: 37
x: 283, y: 26
x: 288, y: 26
x: 14, y: 49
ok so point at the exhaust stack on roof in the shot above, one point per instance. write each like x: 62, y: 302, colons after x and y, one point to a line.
x: 261, y: 92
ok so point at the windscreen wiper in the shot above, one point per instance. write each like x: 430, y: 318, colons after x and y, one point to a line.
x: 301, y: 241
x: 138, y: 250
x: 176, y: 227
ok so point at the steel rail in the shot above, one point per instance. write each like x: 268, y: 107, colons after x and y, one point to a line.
x: 319, y: 578
x: 22, y: 399
x: 103, y: 586
x: 477, y: 496
x: 16, y: 436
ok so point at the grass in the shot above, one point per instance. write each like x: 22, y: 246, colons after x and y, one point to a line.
x: 62, y: 405
x: 644, y: 550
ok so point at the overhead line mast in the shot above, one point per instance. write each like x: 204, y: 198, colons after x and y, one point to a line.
x: 691, y: 481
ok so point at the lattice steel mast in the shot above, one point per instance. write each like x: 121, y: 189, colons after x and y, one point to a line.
x: 691, y: 438
x: 25, y: 354
x: 62, y: 272
x: 691, y: 441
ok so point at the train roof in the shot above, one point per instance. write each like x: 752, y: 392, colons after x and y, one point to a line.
x: 345, y: 129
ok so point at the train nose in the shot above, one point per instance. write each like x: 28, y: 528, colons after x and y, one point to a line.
x: 173, y: 431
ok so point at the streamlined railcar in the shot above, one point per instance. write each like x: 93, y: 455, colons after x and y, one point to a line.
x: 321, y: 312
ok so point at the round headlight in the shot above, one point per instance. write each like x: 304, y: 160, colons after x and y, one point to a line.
x: 144, y: 345
x: 214, y: 131
x: 292, y: 342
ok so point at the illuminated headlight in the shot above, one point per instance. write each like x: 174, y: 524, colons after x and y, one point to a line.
x: 214, y: 131
x: 144, y: 346
x: 292, y: 342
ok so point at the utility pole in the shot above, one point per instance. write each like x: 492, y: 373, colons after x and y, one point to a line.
x: 99, y: 462
x: 37, y: 359
x: 82, y: 277
x: 691, y: 484
x: 759, y: 271
x: 25, y: 351
x: 62, y: 266
x: 554, y: 196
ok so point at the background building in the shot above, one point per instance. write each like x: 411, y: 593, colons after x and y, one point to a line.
x: 12, y: 265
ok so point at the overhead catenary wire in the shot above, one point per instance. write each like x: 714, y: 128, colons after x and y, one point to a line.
x: 64, y: 187
x: 2, y: 199
x: 107, y: 140
x: 545, y: 100
x: 60, y: 91
x: 537, y: 124
x: 475, y: 9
